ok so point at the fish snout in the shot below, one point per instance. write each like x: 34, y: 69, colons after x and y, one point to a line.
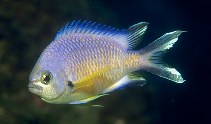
x: 32, y: 87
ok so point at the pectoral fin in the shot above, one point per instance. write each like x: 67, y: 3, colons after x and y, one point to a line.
x: 99, y: 106
x: 88, y: 99
x: 131, y: 79
x: 89, y: 80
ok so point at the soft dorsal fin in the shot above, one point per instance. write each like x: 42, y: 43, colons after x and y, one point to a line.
x: 136, y: 33
x: 89, y: 27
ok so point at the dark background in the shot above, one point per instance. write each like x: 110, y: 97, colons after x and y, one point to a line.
x: 27, y: 27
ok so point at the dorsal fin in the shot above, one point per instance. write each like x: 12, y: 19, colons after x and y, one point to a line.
x: 89, y: 27
x: 135, y: 34
x: 128, y: 38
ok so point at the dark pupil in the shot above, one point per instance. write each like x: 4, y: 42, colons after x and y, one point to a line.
x: 47, y: 78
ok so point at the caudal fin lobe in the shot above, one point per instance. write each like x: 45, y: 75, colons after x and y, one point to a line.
x: 151, y: 56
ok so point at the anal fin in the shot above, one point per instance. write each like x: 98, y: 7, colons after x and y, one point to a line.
x: 131, y: 79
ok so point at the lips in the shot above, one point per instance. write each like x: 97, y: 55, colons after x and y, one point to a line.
x: 34, y: 88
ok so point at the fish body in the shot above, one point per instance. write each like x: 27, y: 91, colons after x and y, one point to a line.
x: 87, y: 60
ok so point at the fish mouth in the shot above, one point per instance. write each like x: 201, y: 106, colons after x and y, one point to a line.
x: 34, y: 88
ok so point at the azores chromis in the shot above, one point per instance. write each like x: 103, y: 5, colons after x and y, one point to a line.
x: 87, y: 60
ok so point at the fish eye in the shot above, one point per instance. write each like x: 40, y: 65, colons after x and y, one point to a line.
x: 46, y: 77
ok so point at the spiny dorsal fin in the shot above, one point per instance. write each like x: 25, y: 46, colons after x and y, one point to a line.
x: 136, y: 33
x: 89, y: 27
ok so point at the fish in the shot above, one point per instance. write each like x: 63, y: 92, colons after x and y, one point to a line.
x: 88, y: 60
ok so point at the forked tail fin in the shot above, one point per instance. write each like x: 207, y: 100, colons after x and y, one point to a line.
x: 151, y: 55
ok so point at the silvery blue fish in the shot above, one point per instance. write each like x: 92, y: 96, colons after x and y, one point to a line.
x: 87, y: 60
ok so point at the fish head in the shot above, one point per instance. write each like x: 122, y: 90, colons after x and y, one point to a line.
x: 46, y: 82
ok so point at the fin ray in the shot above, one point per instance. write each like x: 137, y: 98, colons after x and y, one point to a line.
x: 136, y: 33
